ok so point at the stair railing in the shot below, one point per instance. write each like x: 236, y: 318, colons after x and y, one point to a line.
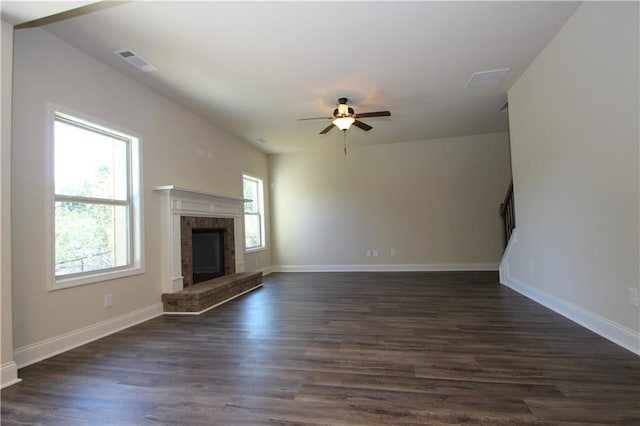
x: 507, y: 212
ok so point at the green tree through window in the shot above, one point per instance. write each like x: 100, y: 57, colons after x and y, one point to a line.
x: 93, y: 197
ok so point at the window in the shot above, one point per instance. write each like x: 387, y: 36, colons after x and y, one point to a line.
x: 253, y: 213
x: 97, y: 226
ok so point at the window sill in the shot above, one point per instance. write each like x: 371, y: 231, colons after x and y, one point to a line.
x: 254, y: 250
x: 92, y: 278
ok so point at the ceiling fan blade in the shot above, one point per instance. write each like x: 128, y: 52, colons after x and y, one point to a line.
x: 362, y: 125
x: 315, y: 118
x: 373, y: 114
x: 326, y: 129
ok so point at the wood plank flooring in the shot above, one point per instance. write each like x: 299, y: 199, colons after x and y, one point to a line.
x: 342, y: 349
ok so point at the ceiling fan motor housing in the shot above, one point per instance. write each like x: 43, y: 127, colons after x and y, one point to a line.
x: 343, y: 109
x: 343, y: 112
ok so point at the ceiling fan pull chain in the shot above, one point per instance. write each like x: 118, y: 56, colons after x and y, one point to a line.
x: 344, y: 142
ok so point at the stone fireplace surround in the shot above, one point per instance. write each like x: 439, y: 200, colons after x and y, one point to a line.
x: 198, y: 209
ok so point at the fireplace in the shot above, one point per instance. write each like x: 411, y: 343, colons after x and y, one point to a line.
x: 186, y: 209
x: 207, y: 248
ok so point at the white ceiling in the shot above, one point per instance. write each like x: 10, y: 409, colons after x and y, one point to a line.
x: 254, y: 68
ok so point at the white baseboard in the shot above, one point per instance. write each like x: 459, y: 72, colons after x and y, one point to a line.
x: 9, y: 374
x: 617, y: 333
x: 35, y: 352
x: 388, y: 267
x: 266, y: 270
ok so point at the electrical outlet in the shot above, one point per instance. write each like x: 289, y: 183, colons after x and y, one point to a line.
x: 368, y: 253
x: 633, y: 296
x: 375, y: 253
x: 108, y: 300
x: 392, y: 252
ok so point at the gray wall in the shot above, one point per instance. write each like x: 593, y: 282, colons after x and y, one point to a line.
x: 175, y: 144
x: 7, y: 365
x: 434, y: 202
x: 574, y: 137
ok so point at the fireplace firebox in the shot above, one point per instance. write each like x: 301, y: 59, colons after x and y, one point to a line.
x: 207, y: 254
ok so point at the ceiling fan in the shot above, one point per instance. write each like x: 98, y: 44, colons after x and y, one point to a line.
x: 344, y: 116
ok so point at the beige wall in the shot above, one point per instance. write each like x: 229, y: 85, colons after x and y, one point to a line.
x: 175, y: 150
x: 6, y: 352
x: 434, y: 202
x: 574, y: 138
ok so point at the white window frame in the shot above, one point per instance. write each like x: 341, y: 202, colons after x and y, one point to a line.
x: 260, y: 214
x: 136, y: 263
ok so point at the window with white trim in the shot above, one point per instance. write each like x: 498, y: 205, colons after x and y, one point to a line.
x: 253, y: 213
x: 97, y: 206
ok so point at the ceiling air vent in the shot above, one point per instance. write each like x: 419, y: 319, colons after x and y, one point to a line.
x: 488, y: 78
x: 135, y: 60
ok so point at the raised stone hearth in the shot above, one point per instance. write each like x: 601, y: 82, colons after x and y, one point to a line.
x: 201, y: 297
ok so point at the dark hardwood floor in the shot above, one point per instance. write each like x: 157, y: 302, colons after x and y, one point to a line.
x: 342, y: 348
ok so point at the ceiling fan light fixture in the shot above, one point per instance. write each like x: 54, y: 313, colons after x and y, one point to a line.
x: 343, y: 123
x: 344, y: 116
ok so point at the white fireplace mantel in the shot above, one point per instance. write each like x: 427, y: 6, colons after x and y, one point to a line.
x: 186, y: 202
